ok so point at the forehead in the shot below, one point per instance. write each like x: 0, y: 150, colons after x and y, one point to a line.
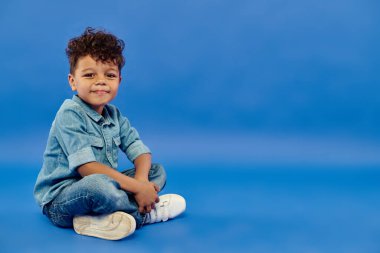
x: 87, y: 61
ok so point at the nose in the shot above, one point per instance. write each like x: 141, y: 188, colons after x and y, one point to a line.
x: 100, y: 82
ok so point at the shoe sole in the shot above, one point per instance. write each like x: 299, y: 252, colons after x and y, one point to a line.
x: 114, y: 226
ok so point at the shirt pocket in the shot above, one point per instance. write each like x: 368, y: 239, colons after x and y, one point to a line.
x: 97, y: 145
x: 117, y: 140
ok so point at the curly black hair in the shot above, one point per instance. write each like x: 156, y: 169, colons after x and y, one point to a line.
x: 99, y: 44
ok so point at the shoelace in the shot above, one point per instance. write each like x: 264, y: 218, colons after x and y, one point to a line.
x: 160, y: 213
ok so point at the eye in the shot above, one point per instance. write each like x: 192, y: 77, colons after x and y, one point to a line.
x: 111, y: 75
x: 88, y: 75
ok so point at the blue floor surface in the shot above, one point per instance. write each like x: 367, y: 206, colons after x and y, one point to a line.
x: 230, y: 209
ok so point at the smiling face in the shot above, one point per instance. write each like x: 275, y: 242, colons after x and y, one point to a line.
x: 96, y: 82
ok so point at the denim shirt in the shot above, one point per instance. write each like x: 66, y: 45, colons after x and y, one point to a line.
x: 80, y: 135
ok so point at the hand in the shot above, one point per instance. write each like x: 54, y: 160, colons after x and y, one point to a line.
x: 146, y: 196
x: 145, y: 180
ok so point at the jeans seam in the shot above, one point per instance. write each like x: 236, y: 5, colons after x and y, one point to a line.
x: 70, y: 200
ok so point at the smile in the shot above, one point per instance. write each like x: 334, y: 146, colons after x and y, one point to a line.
x: 100, y: 92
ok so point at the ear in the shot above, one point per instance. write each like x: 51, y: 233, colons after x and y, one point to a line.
x: 71, y: 79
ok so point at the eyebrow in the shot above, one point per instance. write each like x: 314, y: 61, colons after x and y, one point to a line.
x: 113, y: 68
x: 84, y: 70
x: 92, y: 69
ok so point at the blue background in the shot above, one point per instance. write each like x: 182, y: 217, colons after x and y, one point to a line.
x: 297, y: 79
x: 275, y: 102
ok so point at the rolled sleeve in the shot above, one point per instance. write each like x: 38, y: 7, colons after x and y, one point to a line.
x: 136, y: 149
x: 80, y: 157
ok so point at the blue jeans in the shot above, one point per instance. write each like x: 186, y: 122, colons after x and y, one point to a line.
x: 98, y: 194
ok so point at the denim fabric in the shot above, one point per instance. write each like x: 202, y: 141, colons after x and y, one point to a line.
x: 80, y: 135
x: 98, y: 194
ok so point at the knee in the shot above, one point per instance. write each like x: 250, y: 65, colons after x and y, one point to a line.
x: 157, y: 170
x: 157, y: 174
x: 96, y: 181
x: 99, y: 185
x: 104, y: 192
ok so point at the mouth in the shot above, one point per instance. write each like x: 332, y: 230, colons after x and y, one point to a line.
x: 100, y: 92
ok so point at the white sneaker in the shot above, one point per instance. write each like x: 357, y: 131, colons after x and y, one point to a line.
x: 114, y: 226
x: 170, y: 206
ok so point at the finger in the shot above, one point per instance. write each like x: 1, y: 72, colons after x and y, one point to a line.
x: 148, y: 209
x: 141, y: 210
x: 157, y: 199
x: 153, y: 206
x: 157, y: 188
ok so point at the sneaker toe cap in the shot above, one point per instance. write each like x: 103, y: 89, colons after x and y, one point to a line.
x: 177, y: 205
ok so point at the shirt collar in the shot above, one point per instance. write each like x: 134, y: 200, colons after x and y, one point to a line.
x: 107, y: 119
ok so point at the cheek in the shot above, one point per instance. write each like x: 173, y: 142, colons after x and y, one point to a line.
x: 83, y: 85
x: 115, y: 86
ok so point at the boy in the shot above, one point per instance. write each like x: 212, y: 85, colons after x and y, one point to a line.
x: 79, y: 185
